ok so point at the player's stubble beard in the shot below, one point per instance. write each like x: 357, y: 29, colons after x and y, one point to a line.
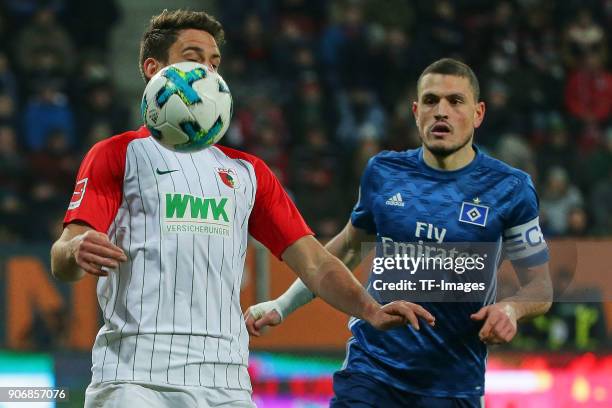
x: 442, y: 151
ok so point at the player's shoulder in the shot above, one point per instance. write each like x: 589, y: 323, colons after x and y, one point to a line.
x: 391, y: 157
x: 496, y: 167
x: 118, y: 143
x: 239, y: 155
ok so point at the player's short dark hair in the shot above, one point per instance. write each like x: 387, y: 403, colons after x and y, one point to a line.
x: 164, y: 28
x: 450, y: 66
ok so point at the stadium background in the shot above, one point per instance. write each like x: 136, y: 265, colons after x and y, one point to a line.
x: 319, y: 87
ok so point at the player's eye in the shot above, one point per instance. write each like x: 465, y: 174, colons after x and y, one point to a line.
x: 192, y: 57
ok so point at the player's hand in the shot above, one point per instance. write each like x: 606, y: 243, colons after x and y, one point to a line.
x: 399, y: 313
x: 261, y: 315
x: 93, y: 250
x: 499, y: 323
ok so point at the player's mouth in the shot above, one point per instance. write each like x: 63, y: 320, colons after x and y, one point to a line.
x: 440, y: 129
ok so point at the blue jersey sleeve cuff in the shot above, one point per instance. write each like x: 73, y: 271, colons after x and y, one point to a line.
x: 362, y: 223
x: 536, y: 259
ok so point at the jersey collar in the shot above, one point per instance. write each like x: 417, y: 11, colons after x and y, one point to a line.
x: 449, y: 173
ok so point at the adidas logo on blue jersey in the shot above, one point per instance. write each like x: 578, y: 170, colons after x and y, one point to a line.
x: 395, y: 200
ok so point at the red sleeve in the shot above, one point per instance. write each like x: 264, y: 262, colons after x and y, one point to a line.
x: 99, y: 183
x: 274, y: 221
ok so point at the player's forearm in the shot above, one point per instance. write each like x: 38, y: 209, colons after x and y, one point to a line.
x: 533, y: 299
x: 340, y: 247
x: 63, y: 263
x: 298, y: 293
x: 337, y: 286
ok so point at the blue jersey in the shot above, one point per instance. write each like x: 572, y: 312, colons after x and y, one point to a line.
x: 402, y: 199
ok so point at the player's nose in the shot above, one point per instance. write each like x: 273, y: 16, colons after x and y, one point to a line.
x: 441, y: 110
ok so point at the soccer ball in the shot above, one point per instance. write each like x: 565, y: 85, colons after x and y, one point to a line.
x: 187, y: 107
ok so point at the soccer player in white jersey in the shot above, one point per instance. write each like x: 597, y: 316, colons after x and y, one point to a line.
x: 166, y: 233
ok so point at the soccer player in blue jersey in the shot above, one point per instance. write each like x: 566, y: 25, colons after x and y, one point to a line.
x: 447, y: 191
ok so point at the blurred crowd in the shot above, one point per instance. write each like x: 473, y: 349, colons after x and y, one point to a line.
x: 56, y: 101
x: 319, y: 87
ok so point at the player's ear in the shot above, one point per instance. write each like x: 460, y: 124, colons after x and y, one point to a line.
x: 150, y: 66
x: 415, y: 108
x: 479, y: 113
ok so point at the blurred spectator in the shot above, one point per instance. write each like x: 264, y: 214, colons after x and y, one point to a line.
x: 25, y: 9
x: 541, y: 47
x: 44, y: 204
x: 5, y: 31
x: 308, y: 15
x: 44, y: 49
x: 7, y: 109
x: 8, y: 82
x: 361, y: 117
x: 513, y: 150
x: 316, y: 176
x: 392, y: 13
x: 309, y: 108
x: 101, y: 109
x: 558, y: 199
x: 267, y: 144
x: 588, y: 92
x: 500, y: 119
x: 90, y: 23
x: 96, y: 132
x: 12, y: 163
x: 54, y: 164
x: 398, y: 63
x: 48, y: 110
x: 483, y: 22
x: 292, y: 52
x: 556, y: 149
x: 233, y: 13
x: 254, y: 45
x: 445, y: 30
x: 577, y: 223
x: 364, y: 152
x: 50, y: 181
x: 583, y: 36
x: 601, y: 205
x: 14, y: 220
x: 598, y: 164
x: 403, y: 134
x: 343, y: 45
x: 258, y: 112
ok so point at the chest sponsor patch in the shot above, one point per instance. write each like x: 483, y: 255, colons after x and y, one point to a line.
x: 475, y: 214
x: 192, y: 214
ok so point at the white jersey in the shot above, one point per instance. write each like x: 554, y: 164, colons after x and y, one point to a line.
x: 172, y: 312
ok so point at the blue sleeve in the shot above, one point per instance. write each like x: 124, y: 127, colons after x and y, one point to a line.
x: 362, y: 216
x: 524, y: 243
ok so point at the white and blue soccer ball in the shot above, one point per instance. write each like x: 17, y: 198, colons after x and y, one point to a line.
x: 187, y: 107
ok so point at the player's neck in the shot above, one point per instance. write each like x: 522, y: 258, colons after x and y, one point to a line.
x: 455, y: 161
